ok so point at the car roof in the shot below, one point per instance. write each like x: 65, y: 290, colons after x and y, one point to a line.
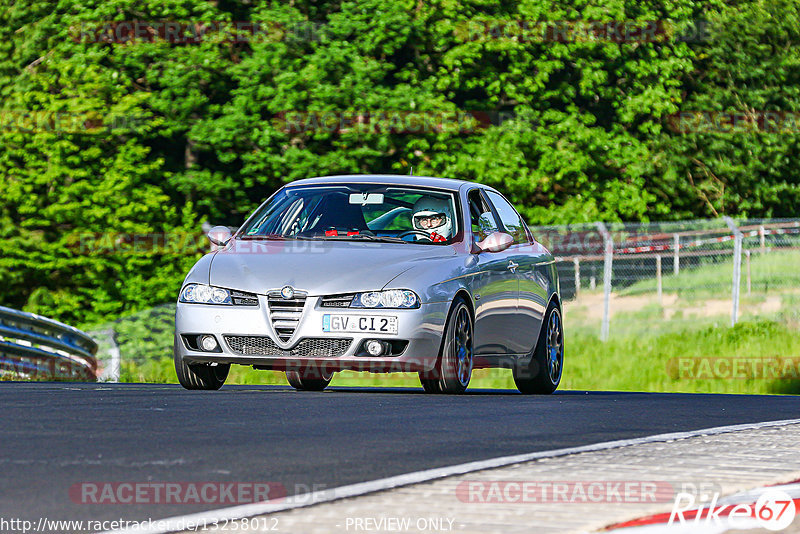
x: 399, y: 179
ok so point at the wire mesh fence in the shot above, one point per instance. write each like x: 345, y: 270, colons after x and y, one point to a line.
x: 619, y: 277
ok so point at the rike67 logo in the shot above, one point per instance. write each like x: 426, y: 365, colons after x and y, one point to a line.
x: 774, y: 510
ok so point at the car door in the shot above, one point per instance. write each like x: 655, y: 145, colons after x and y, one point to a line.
x: 495, y: 287
x: 531, y: 263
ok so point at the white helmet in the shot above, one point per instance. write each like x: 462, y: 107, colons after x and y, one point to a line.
x: 426, y: 210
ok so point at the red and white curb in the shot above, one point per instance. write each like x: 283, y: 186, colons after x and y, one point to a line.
x: 772, y: 508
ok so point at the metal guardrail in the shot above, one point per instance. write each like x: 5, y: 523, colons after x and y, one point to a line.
x: 35, y: 347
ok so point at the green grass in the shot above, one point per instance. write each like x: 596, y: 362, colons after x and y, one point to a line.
x: 161, y: 371
x: 648, y: 362
x: 772, y: 271
x: 651, y: 362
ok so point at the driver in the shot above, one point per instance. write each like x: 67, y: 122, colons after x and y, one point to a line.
x: 432, y: 216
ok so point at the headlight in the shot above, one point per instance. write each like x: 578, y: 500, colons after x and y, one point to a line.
x: 203, y: 294
x: 391, y: 298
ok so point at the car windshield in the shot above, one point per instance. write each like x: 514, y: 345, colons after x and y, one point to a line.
x: 357, y: 212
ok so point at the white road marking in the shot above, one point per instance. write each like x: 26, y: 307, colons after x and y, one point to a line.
x: 221, y: 515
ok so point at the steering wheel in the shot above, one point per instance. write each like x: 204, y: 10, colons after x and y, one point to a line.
x: 418, y: 232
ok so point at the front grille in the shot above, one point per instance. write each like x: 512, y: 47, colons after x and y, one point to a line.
x: 337, y: 301
x: 285, y: 314
x: 264, y: 346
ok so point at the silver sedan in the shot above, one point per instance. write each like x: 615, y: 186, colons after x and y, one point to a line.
x: 374, y: 273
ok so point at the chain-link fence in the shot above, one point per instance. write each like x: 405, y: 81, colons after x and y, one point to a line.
x: 623, y: 277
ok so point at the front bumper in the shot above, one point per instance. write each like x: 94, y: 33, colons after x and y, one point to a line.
x: 422, y: 328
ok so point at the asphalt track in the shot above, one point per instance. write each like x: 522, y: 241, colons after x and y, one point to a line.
x: 56, y: 435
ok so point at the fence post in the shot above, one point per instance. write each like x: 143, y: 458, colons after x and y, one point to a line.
x: 658, y: 279
x: 762, y: 239
x: 577, y: 263
x: 676, y: 260
x: 747, y: 261
x: 737, y: 268
x: 112, y: 372
x: 115, y: 359
x: 608, y: 247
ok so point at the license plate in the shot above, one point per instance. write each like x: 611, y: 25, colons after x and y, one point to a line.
x: 379, y: 324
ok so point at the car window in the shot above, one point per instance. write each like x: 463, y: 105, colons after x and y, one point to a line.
x: 358, y: 211
x: 481, y: 216
x: 509, y: 217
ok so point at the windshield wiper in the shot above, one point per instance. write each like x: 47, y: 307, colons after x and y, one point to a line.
x: 273, y: 237
x: 356, y: 237
x: 387, y: 239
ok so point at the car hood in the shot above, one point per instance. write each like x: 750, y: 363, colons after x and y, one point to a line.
x: 318, y: 267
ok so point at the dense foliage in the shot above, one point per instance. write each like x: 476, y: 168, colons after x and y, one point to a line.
x: 151, y: 137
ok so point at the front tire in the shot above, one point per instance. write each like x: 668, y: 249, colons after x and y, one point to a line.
x: 200, y: 375
x: 543, y: 374
x: 305, y: 380
x: 430, y: 385
x: 454, y: 369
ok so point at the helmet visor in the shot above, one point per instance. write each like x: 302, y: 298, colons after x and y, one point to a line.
x: 429, y: 221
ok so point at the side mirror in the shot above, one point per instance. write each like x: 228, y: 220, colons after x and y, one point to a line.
x: 495, y: 242
x: 219, y: 235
